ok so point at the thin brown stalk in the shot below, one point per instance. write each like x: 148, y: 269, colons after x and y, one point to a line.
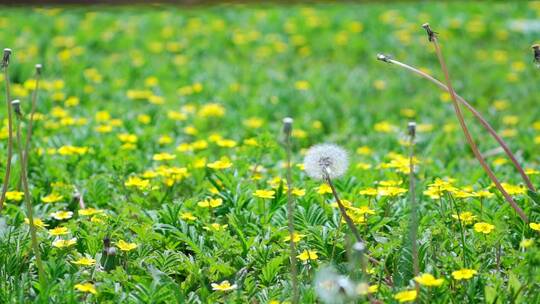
x: 5, y: 63
x: 414, y: 206
x: 472, y: 144
x: 28, y: 203
x: 31, y: 121
x: 476, y: 114
x: 287, y: 129
x: 347, y: 218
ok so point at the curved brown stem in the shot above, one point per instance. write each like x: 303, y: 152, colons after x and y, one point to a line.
x: 468, y: 136
x: 346, y: 217
x: 476, y: 114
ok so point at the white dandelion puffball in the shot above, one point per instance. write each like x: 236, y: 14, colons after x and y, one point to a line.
x: 326, y: 158
x: 333, y: 288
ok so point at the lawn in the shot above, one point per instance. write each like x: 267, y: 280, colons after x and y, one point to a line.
x: 157, y: 162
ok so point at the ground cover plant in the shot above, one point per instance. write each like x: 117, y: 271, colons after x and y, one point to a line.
x: 159, y: 154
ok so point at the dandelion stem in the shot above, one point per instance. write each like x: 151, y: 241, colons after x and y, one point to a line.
x: 29, y: 211
x: 287, y: 128
x: 475, y: 112
x: 472, y: 144
x: 5, y: 63
x: 414, y: 208
x: 30, y: 121
x: 348, y: 220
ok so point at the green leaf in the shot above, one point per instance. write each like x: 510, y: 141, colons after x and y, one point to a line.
x: 534, y: 196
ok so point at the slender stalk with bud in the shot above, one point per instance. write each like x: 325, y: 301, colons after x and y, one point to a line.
x: 27, y: 199
x: 287, y: 130
x: 432, y: 37
x: 31, y: 120
x: 5, y: 185
x: 412, y: 196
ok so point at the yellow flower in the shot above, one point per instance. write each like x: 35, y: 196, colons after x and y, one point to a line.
x: 86, y: 287
x: 59, y: 231
x: 301, y: 85
x: 324, y: 189
x: 90, y: 211
x: 363, y: 210
x: 60, y: 243
x: 163, y: 156
x: 211, y: 203
x: 429, y: 280
x: 308, y: 255
x: 484, y: 194
x: 514, y: 189
x: 535, y: 226
x: 526, y: 243
x: 363, y: 166
x: 298, y: 192
x: 391, y: 191
x: 364, y: 150
x: 134, y: 181
x: 384, y: 127
x: 211, y: 110
x: 37, y: 222
x: 483, y: 227
x: 223, y: 286
x: 405, y: 296
x: 369, y: 192
x: 363, y: 289
x: 144, y: 119
x: 253, y: 123
x: 52, y: 198
x: 165, y: 139
x: 84, y: 261
x: 296, y: 237
x: 531, y: 171
x: 220, y: 164
x: 175, y: 115
x: 264, y: 194
x: 463, y: 274
x: 187, y: 216
x: 62, y: 215
x: 226, y: 143
x: 215, y: 227
x: 125, y: 246
x: 72, y: 150
x: 466, y: 217
x: 96, y: 219
x: 127, y: 138
x: 16, y: 196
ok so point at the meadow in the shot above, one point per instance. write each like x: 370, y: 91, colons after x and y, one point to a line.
x: 156, y: 169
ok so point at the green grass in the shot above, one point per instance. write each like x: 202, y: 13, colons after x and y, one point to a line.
x: 172, y: 76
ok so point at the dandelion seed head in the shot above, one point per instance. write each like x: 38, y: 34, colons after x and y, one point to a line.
x: 332, y: 287
x: 326, y: 159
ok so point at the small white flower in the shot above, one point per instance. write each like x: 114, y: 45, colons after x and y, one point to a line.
x: 326, y: 159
